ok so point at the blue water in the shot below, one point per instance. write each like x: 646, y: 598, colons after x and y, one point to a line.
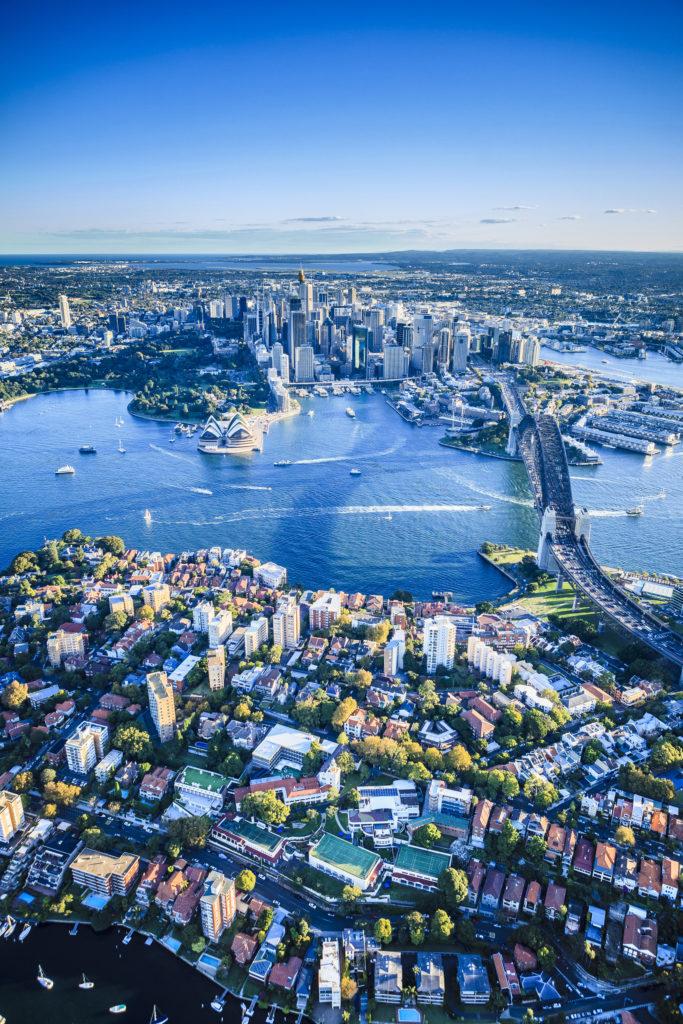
x: 411, y: 520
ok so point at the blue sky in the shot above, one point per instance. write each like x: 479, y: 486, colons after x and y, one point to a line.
x: 334, y: 128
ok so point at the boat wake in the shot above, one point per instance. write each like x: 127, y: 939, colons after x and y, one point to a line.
x: 200, y: 490
x: 315, y: 512
x: 172, y: 455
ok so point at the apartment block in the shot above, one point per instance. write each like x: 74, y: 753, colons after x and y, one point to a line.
x: 217, y: 905
x: 161, y: 705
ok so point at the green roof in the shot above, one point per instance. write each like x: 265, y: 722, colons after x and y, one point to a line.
x: 345, y: 856
x: 201, y: 779
x: 253, y: 834
x: 439, y: 818
x: 420, y: 861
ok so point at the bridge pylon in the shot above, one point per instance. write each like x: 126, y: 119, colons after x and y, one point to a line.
x: 545, y: 559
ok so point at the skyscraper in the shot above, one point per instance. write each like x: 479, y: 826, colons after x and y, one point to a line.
x: 11, y: 814
x: 161, y: 705
x: 439, y: 642
x: 217, y: 905
x: 461, y: 348
x: 423, y: 328
x: 296, y: 332
x: 304, y: 364
x: 215, y: 662
x: 394, y: 362
x: 287, y: 622
x: 359, y: 351
x: 64, y: 312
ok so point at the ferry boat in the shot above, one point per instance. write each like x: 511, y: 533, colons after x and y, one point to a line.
x: 158, y: 1017
x: 86, y: 984
x: 350, y: 412
x: 354, y: 472
x: 121, y: 448
x: 43, y: 979
x: 148, y: 516
x: 283, y: 462
x: 25, y: 932
x: 119, y: 1008
x: 87, y: 449
x: 65, y: 470
x: 636, y: 511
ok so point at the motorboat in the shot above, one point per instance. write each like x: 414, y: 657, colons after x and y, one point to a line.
x: 637, y: 510
x: 283, y: 462
x: 43, y: 979
x: 85, y: 983
x: 310, y: 413
x: 65, y: 470
x: 88, y: 449
x: 11, y: 925
x: 354, y: 472
x: 119, y: 1008
x: 148, y: 516
x: 217, y: 1005
x: 25, y: 932
x: 350, y: 412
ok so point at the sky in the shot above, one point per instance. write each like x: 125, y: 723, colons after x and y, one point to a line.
x: 329, y: 128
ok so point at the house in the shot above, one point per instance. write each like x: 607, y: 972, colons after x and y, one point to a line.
x: 605, y: 859
x: 532, y: 898
x: 640, y: 939
x: 473, y: 980
x: 554, y: 900
x: 506, y: 976
x: 480, y: 821
x: 493, y: 888
x: 475, y: 878
x: 525, y: 958
x: 650, y: 878
x: 155, y: 784
x: 595, y: 924
x: 671, y: 870
x: 439, y: 735
x: 583, y: 857
x: 243, y: 948
x: 430, y: 979
x: 388, y: 977
x: 329, y: 974
x: 574, y: 915
x: 284, y: 975
x: 625, y: 871
x: 512, y: 894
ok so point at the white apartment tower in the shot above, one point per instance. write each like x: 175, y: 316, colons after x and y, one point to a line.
x: 439, y: 642
x: 161, y: 705
x: 287, y: 623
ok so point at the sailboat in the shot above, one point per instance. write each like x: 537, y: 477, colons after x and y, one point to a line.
x: 148, y: 516
x: 11, y: 925
x: 85, y: 983
x: 158, y: 1017
x: 121, y: 448
x: 43, y: 980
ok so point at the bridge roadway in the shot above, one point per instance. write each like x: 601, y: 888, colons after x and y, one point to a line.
x: 542, y: 450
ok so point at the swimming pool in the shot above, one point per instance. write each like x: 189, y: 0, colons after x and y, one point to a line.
x: 212, y: 962
x: 408, y: 1015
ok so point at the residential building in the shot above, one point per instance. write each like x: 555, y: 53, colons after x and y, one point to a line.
x: 671, y: 871
x: 442, y: 800
x: 85, y: 747
x: 329, y: 974
x: 220, y: 628
x: 493, y: 888
x: 473, y: 980
x: 324, y: 611
x: 286, y: 622
x: 625, y: 871
x: 70, y: 639
x: 202, y: 613
x: 285, y: 747
x: 122, y: 602
x: 255, y: 634
x: 215, y: 664
x: 394, y: 653
x: 512, y: 894
x: 439, y: 642
x: 54, y: 856
x: 217, y: 905
x: 11, y: 814
x: 555, y: 899
x: 430, y: 979
x: 271, y: 575
x: 155, y: 784
x: 640, y: 938
x: 650, y: 878
x: 107, y: 765
x: 605, y: 859
x: 104, y: 873
x: 388, y: 977
x: 200, y: 791
x: 156, y: 596
x: 161, y: 705
x: 480, y: 821
x: 506, y: 976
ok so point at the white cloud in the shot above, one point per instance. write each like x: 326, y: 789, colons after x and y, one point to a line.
x: 571, y: 216
x: 515, y: 207
x: 498, y: 220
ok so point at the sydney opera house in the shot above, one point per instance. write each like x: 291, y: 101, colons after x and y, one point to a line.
x: 233, y: 436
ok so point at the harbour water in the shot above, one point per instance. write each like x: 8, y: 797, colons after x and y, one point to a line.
x: 136, y: 975
x: 412, y: 519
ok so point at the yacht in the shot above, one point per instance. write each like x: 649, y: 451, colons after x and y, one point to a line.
x: 11, y: 925
x: 87, y: 449
x: 158, y: 1017
x: 354, y: 472
x: 283, y: 462
x: 121, y: 448
x: 25, y: 932
x: 148, y: 516
x: 350, y: 412
x: 65, y: 470
x: 119, y: 1008
x: 43, y: 979
x: 85, y: 984
x: 216, y: 1005
x: 637, y: 510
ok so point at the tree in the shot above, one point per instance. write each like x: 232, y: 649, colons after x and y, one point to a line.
x: 465, y: 932
x: 115, y: 621
x: 274, y: 655
x: 426, y: 835
x: 625, y: 836
x: 348, y: 988
x: 192, y: 831
x: 61, y: 793
x: 458, y: 759
x: 22, y: 782
x: 442, y: 926
x: 245, y: 880
x: 509, y: 786
x: 265, y: 806
x: 547, y: 957
x: 453, y: 884
x: 535, y: 850
x: 416, y: 926
x: 114, y: 545
x: 146, y: 613
x: 507, y: 841
x: 484, y: 607
x: 351, y: 895
x: 542, y: 793
x: 342, y: 712
x: 666, y: 754
x: 383, y: 931
x: 134, y: 741
x: 14, y: 695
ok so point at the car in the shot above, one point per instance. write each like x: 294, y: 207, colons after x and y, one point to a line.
x: 221, y: 856
x: 312, y: 905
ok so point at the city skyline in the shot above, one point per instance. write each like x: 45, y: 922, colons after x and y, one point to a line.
x: 327, y: 131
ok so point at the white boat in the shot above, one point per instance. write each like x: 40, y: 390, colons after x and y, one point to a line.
x: 350, y: 412
x: 119, y: 1008
x: 65, y: 470
x: 148, y: 516
x: 85, y: 984
x: 25, y: 932
x: 389, y: 516
x: 121, y: 448
x: 149, y: 940
x: 3, y: 928
x: 158, y: 1017
x: 128, y: 937
x: 270, y: 1019
x: 310, y: 413
x: 43, y: 979
x: 283, y: 462
x: 216, y: 1005
x: 354, y: 472
x: 11, y: 925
